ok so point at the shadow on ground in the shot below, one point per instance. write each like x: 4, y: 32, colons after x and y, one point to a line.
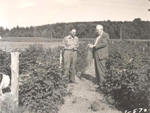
x: 88, y: 77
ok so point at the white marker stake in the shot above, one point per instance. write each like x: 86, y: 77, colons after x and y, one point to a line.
x: 15, y: 79
x: 60, y: 58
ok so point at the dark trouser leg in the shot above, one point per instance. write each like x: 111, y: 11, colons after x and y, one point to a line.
x: 100, y: 70
x: 96, y: 71
x: 103, y: 70
x: 73, y: 65
x: 67, y: 61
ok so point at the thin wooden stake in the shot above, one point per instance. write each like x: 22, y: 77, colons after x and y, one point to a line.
x: 15, y: 79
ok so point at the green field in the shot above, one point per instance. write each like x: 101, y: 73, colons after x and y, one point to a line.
x: 36, y: 39
x: 48, y: 39
x: 8, y: 43
x: 28, y: 39
x: 7, y: 46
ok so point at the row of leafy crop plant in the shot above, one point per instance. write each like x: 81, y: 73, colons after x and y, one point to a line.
x: 42, y: 87
x: 127, y: 83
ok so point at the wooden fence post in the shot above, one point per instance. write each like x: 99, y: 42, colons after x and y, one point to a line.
x: 15, y: 79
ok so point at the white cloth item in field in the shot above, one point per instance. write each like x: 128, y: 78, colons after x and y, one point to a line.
x: 97, y: 39
x: 5, y: 81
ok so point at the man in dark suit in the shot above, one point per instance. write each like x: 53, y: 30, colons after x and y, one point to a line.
x: 100, y: 53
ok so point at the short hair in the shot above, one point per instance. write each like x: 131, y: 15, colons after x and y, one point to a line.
x: 99, y: 27
x: 72, y: 30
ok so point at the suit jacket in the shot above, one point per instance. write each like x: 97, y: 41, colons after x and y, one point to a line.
x: 101, y: 48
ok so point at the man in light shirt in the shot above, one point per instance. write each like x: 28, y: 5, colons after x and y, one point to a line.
x: 71, y: 44
x: 100, y: 53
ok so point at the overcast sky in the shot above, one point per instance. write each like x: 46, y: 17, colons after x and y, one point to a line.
x: 39, y: 12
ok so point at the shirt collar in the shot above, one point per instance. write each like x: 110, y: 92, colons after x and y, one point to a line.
x: 101, y: 33
x: 70, y: 37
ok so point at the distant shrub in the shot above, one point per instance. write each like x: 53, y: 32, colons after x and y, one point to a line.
x: 5, y: 62
x: 82, y: 61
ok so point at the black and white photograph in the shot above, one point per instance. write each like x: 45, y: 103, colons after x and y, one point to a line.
x: 74, y: 56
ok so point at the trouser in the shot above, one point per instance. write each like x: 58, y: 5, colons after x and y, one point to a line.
x: 70, y: 59
x: 100, y: 70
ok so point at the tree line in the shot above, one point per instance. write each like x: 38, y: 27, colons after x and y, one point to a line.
x: 136, y: 29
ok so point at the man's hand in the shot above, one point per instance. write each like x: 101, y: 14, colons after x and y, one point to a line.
x: 90, y: 45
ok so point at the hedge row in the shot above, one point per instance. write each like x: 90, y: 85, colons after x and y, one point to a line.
x: 45, y: 87
x: 127, y: 80
x: 128, y: 77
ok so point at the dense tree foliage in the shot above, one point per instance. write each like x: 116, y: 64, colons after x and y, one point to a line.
x: 137, y: 29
